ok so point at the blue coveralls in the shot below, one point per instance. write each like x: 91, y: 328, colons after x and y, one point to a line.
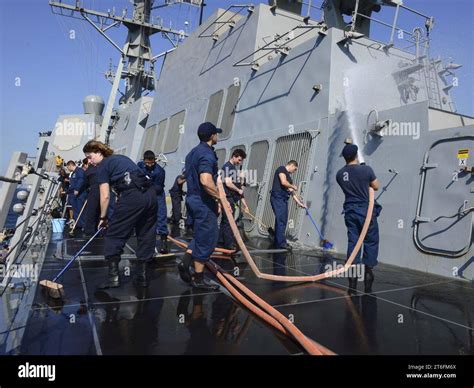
x: 354, y: 181
x: 176, y: 194
x: 93, y: 200
x: 202, y: 207
x: 226, y: 237
x: 77, y: 183
x: 158, y: 175
x: 136, y: 207
x: 279, y: 201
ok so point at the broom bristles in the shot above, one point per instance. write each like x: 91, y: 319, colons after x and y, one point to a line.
x: 55, y: 290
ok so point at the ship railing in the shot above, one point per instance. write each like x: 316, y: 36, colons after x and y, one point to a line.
x: 232, y: 12
x: 415, y: 37
x: 31, y: 229
x: 279, y: 45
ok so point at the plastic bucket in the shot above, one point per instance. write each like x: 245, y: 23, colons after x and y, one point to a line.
x: 58, y: 225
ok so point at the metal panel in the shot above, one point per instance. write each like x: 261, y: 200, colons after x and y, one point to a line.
x: 442, y: 225
x: 256, y: 169
x: 175, y: 129
x: 214, y: 107
x: 158, y: 147
x: 228, y: 115
x: 221, y: 153
x: 297, y: 147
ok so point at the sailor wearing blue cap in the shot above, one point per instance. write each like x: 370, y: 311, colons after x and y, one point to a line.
x: 135, y: 209
x: 202, y: 200
x: 355, y: 180
x: 158, y: 176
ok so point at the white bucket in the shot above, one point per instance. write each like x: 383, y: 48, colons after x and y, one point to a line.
x: 58, y: 225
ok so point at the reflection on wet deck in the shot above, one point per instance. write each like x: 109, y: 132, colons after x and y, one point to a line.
x: 403, y: 313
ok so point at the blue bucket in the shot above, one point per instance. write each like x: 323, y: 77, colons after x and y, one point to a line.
x: 58, y: 225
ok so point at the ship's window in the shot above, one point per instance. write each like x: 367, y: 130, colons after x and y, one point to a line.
x: 228, y: 115
x: 121, y: 151
x: 158, y: 146
x: 220, y: 157
x: 175, y: 129
x: 149, y: 137
x: 214, y: 107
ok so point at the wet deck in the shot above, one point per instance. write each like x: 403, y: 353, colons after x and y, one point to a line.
x: 406, y: 312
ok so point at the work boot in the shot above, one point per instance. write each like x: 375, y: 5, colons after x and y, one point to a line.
x: 113, y: 278
x: 368, y: 279
x: 202, y: 283
x: 352, y: 285
x: 288, y: 247
x: 140, y: 275
x: 164, y: 244
x: 183, y: 268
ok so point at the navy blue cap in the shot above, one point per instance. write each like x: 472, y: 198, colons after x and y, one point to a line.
x: 208, y: 129
x: 349, y: 151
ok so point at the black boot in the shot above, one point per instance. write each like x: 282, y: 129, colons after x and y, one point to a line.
x: 164, y: 244
x: 113, y: 279
x: 183, y: 268
x: 202, y: 283
x: 352, y: 285
x: 368, y: 279
x: 140, y: 275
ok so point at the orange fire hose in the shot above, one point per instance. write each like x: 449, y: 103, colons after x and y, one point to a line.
x: 312, y: 278
x: 182, y: 244
x: 266, y: 312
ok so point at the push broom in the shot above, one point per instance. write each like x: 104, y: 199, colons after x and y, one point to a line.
x: 326, y: 244
x: 56, y: 290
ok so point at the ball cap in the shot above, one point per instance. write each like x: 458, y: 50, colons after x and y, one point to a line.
x: 349, y: 151
x: 208, y: 129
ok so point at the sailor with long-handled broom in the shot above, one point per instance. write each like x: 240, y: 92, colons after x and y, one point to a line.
x: 56, y: 290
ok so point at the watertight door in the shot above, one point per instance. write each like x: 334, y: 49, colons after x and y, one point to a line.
x: 290, y: 147
x: 444, y: 218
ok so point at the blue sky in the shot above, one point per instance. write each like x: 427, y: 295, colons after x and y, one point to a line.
x: 57, y: 72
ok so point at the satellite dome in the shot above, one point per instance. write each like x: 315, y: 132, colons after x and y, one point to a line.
x: 93, y: 105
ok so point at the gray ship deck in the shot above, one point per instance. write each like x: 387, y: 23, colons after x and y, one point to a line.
x: 406, y: 312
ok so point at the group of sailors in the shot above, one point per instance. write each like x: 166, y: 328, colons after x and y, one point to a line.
x: 140, y: 205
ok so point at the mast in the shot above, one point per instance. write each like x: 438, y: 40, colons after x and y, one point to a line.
x: 136, y: 63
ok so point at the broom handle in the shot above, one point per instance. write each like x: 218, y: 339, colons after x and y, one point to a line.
x: 314, y: 223
x: 77, y: 254
x: 256, y: 219
x: 79, y: 216
x: 65, y: 206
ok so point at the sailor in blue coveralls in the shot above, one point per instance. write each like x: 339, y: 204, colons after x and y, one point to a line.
x: 355, y: 180
x: 176, y: 194
x: 234, y: 194
x: 203, y: 203
x: 282, y: 189
x: 77, y: 194
x: 157, y: 175
x: 135, y: 209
